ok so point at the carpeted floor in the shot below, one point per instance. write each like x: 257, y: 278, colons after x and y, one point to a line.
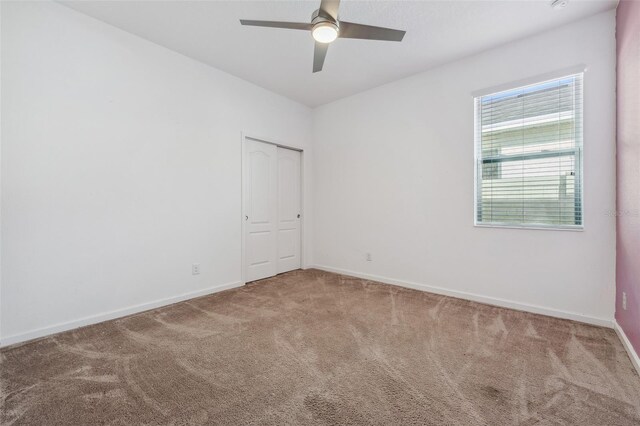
x: 310, y: 347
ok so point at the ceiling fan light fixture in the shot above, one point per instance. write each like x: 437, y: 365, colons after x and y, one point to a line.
x: 325, y: 32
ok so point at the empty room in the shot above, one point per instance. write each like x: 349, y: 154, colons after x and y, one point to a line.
x: 320, y: 212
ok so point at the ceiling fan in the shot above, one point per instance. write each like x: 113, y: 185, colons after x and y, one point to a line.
x: 325, y: 28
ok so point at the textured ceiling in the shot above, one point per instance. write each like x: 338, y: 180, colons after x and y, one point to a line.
x: 280, y: 60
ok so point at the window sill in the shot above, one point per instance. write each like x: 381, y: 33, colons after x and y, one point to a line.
x: 574, y: 228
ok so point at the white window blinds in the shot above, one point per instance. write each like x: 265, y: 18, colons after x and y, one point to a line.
x: 528, y: 155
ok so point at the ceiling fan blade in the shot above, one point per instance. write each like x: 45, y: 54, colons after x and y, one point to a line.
x: 277, y: 24
x: 369, y: 32
x: 319, y: 53
x: 330, y: 7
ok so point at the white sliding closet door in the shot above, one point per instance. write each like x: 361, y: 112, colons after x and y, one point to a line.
x: 288, y: 210
x: 260, y: 191
x: 271, y: 202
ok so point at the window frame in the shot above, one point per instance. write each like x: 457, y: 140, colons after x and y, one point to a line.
x: 577, y: 152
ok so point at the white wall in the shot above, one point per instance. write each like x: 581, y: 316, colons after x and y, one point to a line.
x: 394, y: 177
x: 120, y: 168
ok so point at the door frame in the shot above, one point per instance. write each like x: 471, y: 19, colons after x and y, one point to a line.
x: 271, y: 141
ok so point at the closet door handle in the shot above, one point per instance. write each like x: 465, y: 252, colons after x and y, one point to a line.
x: 298, y: 215
x: 246, y: 217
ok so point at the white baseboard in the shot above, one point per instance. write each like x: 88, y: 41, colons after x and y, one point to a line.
x: 118, y: 313
x: 633, y: 355
x: 604, y: 322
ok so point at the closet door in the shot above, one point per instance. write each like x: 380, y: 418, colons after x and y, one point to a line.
x: 288, y: 210
x: 260, y: 193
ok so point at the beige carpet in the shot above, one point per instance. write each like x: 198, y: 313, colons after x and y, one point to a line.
x: 310, y: 347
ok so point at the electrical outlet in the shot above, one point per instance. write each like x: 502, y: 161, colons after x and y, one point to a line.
x: 195, y: 269
x: 624, y: 300
x: 368, y: 257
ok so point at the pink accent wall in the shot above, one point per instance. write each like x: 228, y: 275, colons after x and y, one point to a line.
x: 628, y: 180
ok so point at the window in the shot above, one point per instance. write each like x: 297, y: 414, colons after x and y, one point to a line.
x: 529, y: 155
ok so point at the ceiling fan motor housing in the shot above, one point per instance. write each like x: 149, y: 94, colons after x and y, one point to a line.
x: 319, y: 16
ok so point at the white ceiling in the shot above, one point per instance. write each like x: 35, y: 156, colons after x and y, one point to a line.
x: 280, y: 60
